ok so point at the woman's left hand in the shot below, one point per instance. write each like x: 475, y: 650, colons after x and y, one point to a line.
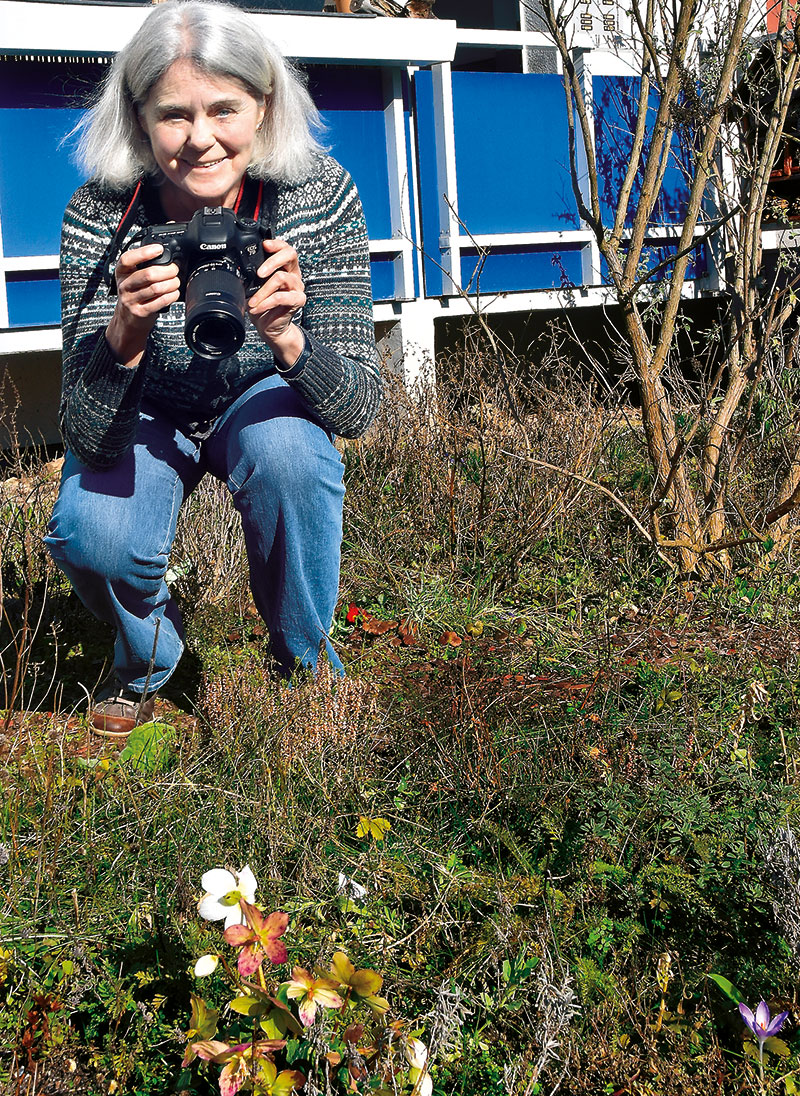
x: 273, y: 305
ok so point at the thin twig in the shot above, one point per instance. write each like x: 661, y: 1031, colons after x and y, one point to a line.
x: 603, y: 490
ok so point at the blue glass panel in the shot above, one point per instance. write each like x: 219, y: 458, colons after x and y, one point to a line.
x: 37, y: 178
x: 351, y: 104
x: 383, y: 281
x: 33, y: 302
x: 523, y: 268
x: 512, y: 153
x: 615, y: 106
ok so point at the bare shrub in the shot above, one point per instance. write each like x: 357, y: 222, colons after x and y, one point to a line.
x: 208, y: 556
x: 28, y: 489
x: 781, y: 853
x: 439, y: 482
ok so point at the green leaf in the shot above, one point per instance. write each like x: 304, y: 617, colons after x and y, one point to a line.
x: 777, y: 1046
x: 275, y: 1025
x: 750, y: 1049
x: 248, y: 1006
x: 149, y: 746
x: 347, y: 905
x: 728, y: 988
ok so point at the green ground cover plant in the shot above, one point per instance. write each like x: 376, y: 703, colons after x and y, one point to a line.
x: 548, y: 818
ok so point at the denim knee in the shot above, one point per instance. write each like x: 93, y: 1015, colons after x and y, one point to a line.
x: 88, y: 534
x: 291, y: 458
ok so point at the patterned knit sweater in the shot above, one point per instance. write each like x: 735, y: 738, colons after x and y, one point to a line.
x: 337, y: 373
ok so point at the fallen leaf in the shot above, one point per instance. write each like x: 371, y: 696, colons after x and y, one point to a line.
x: 375, y: 627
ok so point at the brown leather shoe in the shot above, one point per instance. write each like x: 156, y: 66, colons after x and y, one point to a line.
x: 116, y: 711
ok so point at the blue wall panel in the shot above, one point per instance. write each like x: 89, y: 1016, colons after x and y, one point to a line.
x: 33, y: 301
x: 615, y: 105
x: 35, y: 191
x: 351, y: 104
x: 36, y: 178
x: 515, y: 269
x: 511, y: 152
x: 383, y: 279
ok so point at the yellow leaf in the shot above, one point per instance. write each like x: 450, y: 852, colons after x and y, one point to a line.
x: 366, y: 983
x: 341, y: 967
x: 248, y: 1006
x: 377, y: 828
x: 378, y: 1005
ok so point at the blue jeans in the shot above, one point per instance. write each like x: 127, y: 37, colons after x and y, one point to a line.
x: 112, y: 530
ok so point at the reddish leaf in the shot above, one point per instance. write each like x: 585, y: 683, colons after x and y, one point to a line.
x: 375, y: 627
x: 450, y: 639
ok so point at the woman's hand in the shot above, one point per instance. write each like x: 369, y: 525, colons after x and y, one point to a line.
x: 272, y: 307
x: 141, y: 295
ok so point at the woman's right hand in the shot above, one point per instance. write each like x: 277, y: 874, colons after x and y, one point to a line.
x: 142, y: 292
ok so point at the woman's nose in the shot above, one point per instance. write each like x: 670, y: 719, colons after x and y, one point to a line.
x: 201, y: 134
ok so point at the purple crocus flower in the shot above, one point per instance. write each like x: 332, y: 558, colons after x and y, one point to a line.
x: 761, y: 1025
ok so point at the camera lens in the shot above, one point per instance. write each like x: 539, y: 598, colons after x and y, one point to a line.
x: 215, y: 308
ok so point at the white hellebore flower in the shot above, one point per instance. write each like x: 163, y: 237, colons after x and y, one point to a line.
x: 417, y: 1055
x: 350, y: 887
x: 225, y: 890
x: 206, y: 965
x: 423, y: 1084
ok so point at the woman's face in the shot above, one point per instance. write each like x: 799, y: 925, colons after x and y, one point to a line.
x: 201, y: 129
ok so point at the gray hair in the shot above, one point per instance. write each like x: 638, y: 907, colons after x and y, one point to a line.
x: 221, y: 41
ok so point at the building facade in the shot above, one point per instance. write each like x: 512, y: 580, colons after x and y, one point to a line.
x: 453, y: 128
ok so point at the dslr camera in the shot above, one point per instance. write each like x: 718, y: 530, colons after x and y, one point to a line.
x: 217, y: 254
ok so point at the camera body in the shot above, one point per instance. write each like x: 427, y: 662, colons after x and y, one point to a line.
x: 218, y: 255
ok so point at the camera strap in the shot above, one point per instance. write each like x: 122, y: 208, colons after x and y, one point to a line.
x: 114, y: 248
x: 257, y: 198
